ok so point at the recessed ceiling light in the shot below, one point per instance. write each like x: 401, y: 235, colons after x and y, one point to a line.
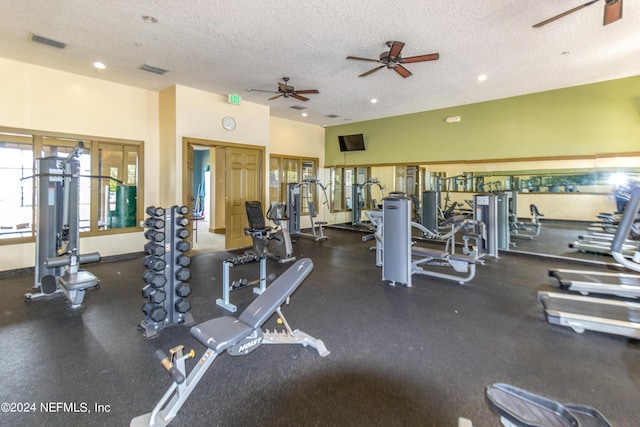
x: 304, y: 114
x: 99, y: 65
x: 482, y: 77
x: 373, y: 100
x: 149, y: 19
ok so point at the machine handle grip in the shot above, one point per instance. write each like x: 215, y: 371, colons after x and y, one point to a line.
x: 368, y: 237
x: 63, y: 260
x: 177, y: 376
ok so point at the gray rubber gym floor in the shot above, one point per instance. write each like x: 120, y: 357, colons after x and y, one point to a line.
x: 419, y: 356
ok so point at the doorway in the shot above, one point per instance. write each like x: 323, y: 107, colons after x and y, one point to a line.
x: 218, y: 178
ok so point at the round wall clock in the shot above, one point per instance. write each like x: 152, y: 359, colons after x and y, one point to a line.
x: 229, y: 123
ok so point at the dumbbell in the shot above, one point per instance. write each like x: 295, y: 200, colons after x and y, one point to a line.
x: 183, y: 290
x: 182, y: 210
x: 153, y: 211
x: 154, y: 223
x: 146, y: 307
x: 147, y: 290
x: 157, y: 314
x: 182, y: 221
x: 153, y: 235
x: 154, y: 279
x: 182, y: 305
x: 183, y: 274
x: 154, y: 263
x: 157, y: 296
x: 152, y: 248
x: 182, y: 233
x: 183, y: 246
x: 183, y: 260
x: 239, y: 283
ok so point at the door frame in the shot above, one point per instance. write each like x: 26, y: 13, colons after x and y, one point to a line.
x: 187, y: 189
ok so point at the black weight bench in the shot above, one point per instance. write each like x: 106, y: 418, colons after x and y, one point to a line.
x: 237, y: 336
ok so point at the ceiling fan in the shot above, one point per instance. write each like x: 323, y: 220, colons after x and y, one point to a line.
x: 391, y: 59
x: 612, y: 12
x: 287, y: 91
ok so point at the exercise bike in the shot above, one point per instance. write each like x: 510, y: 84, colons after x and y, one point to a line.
x: 269, y: 241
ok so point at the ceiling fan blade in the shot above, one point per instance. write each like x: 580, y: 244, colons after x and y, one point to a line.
x: 301, y: 98
x: 420, y: 58
x: 362, y: 59
x: 275, y: 97
x: 396, y: 48
x: 575, y: 9
x: 308, y: 91
x: 371, y: 71
x: 402, y: 71
x: 612, y: 12
x: 261, y: 90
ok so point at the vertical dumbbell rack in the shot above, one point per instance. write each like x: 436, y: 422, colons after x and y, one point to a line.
x: 167, y: 271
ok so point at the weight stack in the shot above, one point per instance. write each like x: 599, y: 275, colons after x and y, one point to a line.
x: 167, y: 263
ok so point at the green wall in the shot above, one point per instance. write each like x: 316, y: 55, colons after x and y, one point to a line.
x: 592, y: 119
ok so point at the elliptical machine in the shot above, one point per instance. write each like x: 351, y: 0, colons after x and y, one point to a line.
x: 269, y: 241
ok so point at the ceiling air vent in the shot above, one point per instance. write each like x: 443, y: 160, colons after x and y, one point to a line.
x: 298, y: 107
x: 332, y: 116
x: 48, y: 41
x: 152, y: 69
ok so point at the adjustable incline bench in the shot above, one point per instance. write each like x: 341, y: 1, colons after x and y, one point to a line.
x: 237, y: 336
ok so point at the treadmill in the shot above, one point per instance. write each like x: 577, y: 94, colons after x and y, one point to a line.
x: 611, y: 316
x: 624, y: 285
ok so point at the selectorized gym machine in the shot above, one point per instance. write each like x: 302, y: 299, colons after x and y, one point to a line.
x: 238, y: 337
x: 358, y: 199
x: 58, y: 257
x: 268, y: 241
x: 309, y: 185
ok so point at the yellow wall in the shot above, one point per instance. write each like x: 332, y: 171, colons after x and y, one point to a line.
x: 44, y: 99
x: 50, y: 100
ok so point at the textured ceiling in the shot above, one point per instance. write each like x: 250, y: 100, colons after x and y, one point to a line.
x: 225, y: 46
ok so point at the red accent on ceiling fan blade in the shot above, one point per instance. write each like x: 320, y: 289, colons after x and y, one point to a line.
x: 308, y: 91
x: 371, y: 71
x: 402, y: 71
x: 396, y: 48
x: 563, y: 14
x: 612, y: 12
x: 362, y: 59
x: 420, y: 58
x: 275, y: 97
x: 301, y: 98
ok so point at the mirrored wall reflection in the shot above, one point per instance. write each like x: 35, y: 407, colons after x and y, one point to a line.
x: 571, y: 199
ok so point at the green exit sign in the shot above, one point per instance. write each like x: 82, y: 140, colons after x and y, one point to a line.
x: 234, y: 99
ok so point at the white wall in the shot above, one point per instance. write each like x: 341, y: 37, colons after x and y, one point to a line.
x: 303, y: 140
x: 43, y: 99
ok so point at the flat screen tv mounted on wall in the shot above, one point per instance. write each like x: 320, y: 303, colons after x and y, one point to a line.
x: 351, y: 142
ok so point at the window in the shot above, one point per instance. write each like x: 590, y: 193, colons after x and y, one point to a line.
x: 110, y: 195
x: 285, y: 170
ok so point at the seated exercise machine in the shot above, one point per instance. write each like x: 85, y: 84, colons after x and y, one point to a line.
x: 359, y: 198
x: 58, y: 258
x: 613, y: 316
x: 268, y: 241
x: 520, y: 408
x: 238, y: 337
x: 295, y: 192
x: 237, y: 284
x: 400, y: 259
x: 521, y: 229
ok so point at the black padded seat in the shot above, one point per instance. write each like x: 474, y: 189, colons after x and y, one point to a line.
x: 220, y: 333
